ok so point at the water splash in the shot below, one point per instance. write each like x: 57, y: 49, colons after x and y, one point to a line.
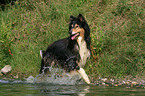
x: 56, y: 76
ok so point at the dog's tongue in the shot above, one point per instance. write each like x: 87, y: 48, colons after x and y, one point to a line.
x: 73, y: 37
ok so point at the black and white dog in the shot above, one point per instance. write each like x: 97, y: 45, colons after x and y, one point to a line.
x: 72, y: 52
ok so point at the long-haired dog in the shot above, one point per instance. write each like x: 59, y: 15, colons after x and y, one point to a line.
x: 70, y: 53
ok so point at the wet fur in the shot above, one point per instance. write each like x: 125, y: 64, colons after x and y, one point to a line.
x: 72, y: 52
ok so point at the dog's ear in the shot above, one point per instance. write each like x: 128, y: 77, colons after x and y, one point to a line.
x: 71, y: 18
x: 81, y: 18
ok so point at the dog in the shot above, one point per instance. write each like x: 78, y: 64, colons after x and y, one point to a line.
x: 72, y: 52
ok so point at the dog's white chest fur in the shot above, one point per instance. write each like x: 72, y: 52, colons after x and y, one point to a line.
x: 84, y: 52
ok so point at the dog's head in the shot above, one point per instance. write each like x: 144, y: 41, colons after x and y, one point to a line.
x: 78, y: 27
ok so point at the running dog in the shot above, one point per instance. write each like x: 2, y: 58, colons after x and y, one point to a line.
x: 72, y: 52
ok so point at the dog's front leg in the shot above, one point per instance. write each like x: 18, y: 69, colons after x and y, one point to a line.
x: 82, y: 72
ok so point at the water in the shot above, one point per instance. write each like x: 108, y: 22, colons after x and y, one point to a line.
x: 21, y: 88
x: 58, y: 83
x: 56, y: 76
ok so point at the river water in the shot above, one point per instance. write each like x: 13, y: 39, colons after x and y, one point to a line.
x: 58, y: 84
x: 31, y: 88
x: 19, y: 88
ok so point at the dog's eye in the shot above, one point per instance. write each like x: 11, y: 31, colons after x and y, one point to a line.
x: 77, y: 26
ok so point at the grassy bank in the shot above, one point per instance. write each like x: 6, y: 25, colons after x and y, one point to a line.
x: 117, y: 31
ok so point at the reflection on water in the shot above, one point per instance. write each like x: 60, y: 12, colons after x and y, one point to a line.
x: 65, y: 90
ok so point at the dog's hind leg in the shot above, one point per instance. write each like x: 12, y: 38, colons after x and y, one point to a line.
x: 82, y: 72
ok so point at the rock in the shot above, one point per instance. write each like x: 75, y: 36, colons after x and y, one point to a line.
x: 104, y: 79
x: 103, y: 83
x: 134, y: 83
x: 6, y: 69
x: 112, y: 80
x: 116, y: 85
x: 16, y: 76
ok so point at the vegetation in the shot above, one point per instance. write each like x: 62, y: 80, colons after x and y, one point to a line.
x: 117, y: 31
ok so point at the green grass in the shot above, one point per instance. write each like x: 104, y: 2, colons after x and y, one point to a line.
x: 117, y: 31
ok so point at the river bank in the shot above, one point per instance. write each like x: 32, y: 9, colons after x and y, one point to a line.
x: 117, y: 35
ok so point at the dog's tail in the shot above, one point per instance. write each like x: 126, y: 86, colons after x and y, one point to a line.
x: 41, y: 53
